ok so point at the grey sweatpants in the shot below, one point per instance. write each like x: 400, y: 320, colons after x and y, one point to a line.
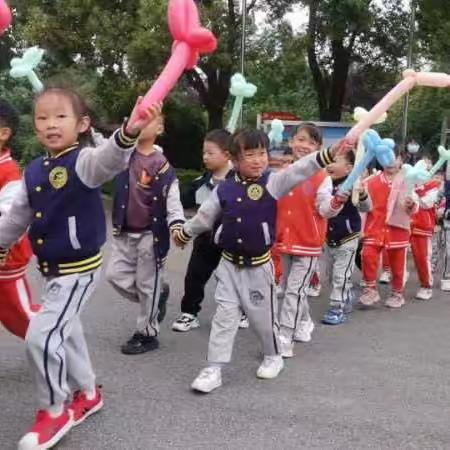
x: 342, y: 264
x: 134, y: 274
x: 297, y: 272
x: 55, y: 343
x: 248, y: 289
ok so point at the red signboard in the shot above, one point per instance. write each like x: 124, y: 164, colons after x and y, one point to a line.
x: 270, y: 115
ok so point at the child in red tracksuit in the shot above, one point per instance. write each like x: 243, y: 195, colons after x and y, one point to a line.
x: 422, y: 228
x: 16, y: 307
x: 387, y: 226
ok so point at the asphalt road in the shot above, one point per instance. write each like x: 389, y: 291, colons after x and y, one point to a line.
x: 380, y: 381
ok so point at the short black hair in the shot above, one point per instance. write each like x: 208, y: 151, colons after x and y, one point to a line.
x: 9, y: 118
x: 247, y: 139
x: 220, y: 137
x: 314, y: 132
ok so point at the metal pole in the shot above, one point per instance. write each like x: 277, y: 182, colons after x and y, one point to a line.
x: 243, y: 39
x: 412, y: 26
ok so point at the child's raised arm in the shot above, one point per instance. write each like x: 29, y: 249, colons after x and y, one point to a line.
x: 280, y: 183
x: 97, y: 165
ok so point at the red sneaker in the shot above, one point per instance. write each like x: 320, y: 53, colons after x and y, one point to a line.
x: 46, y: 431
x: 82, y: 408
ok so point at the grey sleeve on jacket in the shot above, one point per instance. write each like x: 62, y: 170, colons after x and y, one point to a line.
x: 96, y: 165
x: 205, y: 218
x: 14, y: 224
x: 175, y: 212
x: 282, y: 182
x: 323, y: 200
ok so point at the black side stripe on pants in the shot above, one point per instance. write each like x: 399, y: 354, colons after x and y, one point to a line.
x: 61, y: 333
x: 84, y: 292
x: 61, y: 361
x: 272, y: 314
x: 47, y: 341
x: 349, y: 265
x: 305, y: 280
x: 155, y: 287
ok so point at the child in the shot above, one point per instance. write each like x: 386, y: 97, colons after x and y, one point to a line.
x: 206, y: 254
x: 146, y: 208
x: 342, y: 242
x: 301, y: 230
x: 247, y: 204
x: 423, y: 226
x: 387, y: 226
x: 16, y: 307
x: 60, y: 200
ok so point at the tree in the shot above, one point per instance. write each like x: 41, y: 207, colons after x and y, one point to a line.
x: 342, y: 34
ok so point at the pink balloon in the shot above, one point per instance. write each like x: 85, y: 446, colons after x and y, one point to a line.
x: 190, y: 41
x: 5, y: 16
x: 382, y: 106
x: 439, y: 80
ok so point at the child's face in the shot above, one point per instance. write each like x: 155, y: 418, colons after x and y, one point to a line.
x: 5, y: 135
x: 252, y: 163
x: 302, y: 144
x: 152, y: 130
x: 395, y: 168
x: 214, y: 158
x: 340, y: 168
x: 56, y: 123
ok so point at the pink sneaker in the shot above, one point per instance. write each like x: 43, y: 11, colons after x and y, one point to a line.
x: 395, y: 301
x: 369, y: 297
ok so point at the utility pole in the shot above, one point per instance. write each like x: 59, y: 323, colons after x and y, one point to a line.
x: 412, y: 26
x: 243, y: 40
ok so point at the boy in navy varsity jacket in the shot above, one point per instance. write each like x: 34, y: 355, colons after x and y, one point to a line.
x: 205, y: 254
x: 343, y: 235
x: 146, y: 207
x: 60, y: 201
x: 247, y: 205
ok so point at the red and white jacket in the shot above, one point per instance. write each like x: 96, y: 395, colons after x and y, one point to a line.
x: 302, y: 217
x: 388, y: 223
x: 20, y: 254
x: 424, y: 221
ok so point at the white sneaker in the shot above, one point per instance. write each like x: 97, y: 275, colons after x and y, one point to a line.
x: 385, y: 277
x: 303, y: 334
x: 286, y: 347
x: 270, y: 367
x: 244, y: 323
x: 185, y: 322
x: 314, y: 291
x: 424, y: 294
x: 207, y: 380
x: 445, y: 285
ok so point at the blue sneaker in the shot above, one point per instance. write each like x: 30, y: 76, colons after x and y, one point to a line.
x: 334, y: 317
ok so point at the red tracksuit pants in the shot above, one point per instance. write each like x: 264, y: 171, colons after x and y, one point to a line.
x: 421, y: 248
x: 371, y: 263
x: 16, y: 307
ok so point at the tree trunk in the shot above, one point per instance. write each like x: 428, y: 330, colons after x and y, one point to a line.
x: 215, y: 117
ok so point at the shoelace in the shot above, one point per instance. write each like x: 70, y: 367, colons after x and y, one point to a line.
x: 207, y: 372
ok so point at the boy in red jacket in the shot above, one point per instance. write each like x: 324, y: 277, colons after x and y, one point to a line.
x: 423, y: 225
x: 16, y: 307
x: 301, y: 233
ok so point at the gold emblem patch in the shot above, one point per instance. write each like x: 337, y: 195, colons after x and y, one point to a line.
x: 255, y: 192
x: 58, y: 177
